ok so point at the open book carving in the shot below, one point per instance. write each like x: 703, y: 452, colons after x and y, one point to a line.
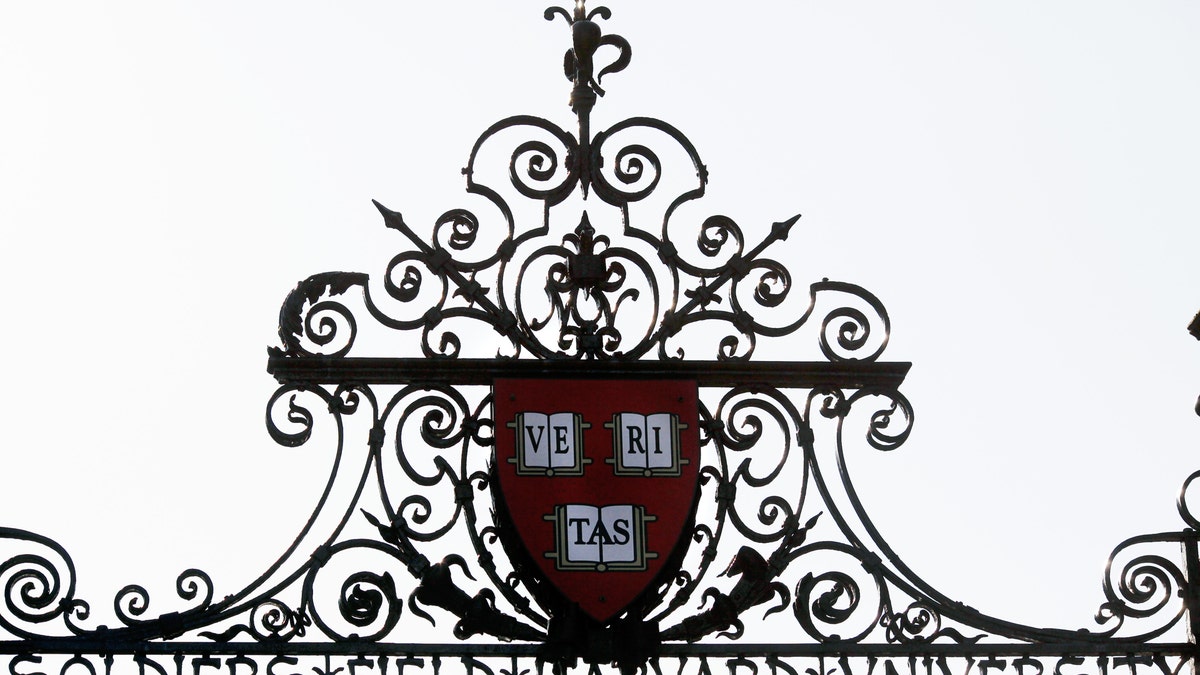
x: 645, y: 445
x: 549, y: 444
x: 600, y: 538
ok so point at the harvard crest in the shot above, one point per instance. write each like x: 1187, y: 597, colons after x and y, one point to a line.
x: 598, y: 485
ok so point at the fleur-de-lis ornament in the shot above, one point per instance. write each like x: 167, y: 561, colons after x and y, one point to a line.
x: 580, y: 68
x: 579, y: 63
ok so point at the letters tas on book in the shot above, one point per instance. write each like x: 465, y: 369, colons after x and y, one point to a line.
x: 600, y: 538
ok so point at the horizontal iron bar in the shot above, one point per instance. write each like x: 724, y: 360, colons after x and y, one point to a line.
x: 669, y: 650
x: 782, y: 374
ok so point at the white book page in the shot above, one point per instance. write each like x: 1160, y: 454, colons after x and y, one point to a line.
x: 535, y: 439
x: 659, y: 431
x: 632, y: 428
x: 581, y: 526
x: 561, y: 440
x: 618, y: 523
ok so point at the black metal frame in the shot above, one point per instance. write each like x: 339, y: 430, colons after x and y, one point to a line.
x: 413, y: 435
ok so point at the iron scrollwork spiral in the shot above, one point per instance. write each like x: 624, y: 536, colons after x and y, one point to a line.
x: 38, y: 585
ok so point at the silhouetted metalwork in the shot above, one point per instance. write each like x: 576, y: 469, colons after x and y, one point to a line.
x: 385, y: 371
x: 1194, y: 329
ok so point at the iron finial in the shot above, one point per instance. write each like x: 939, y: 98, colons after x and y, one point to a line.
x: 579, y: 67
x: 586, y: 38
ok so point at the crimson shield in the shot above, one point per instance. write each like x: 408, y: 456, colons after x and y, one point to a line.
x: 597, y: 484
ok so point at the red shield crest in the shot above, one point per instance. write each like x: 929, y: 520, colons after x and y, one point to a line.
x: 598, y: 483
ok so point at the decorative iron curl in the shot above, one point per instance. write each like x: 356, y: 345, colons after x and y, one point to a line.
x: 920, y: 623
x: 773, y: 284
x: 1147, y: 586
x: 638, y: 169
x: 409, y: 286
x: 720, y: 242
x: 534, y: 159
x: 457, y: 229
x: 630, y: 169
x: 36, y: 589
x: 365, y: 595
x: 365, y: 599
x: 328, y: 325
x: 296, y: 415
x: 132, y: 601
x: 882, y: 432
x: 540, y: 165
x: 846, y: 331
x: 441, y: 415
x: 404, y: 281
x: 1185, y: 511
x: 715, y: 233
x: 832, y: 598
x: 742, y: 411
x: 736, y: 344
x: 702, y: 299
x: 480, y: 429
x: 273, y: 621
x: 270, y: 621
x: 437, y: 421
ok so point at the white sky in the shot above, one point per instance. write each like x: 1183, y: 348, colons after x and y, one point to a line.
x: 1015, y: 180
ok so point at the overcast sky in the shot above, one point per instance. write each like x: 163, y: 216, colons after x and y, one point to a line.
x: 1016, y: 181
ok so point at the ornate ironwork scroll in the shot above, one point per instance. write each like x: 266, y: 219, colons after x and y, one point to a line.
x: 413, y: 556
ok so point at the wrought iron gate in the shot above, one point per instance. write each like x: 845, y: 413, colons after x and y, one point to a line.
x: 419, y: 523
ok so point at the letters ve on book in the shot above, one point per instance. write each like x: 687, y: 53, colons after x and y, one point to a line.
x: 549, y: 444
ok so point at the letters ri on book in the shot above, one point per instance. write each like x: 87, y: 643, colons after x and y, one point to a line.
x: 645, y: 445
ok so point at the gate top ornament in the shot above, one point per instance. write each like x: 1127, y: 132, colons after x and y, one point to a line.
x: 623, y: 503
